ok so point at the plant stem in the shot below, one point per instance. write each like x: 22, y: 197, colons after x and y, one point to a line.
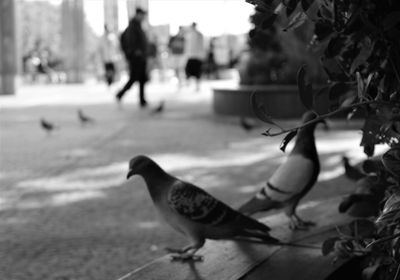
x: 383, y: 239
x: 327, y: 115
x: 397, y: 272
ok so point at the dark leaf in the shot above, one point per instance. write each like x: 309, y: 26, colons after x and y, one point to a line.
x: 323, y: 29
x: 305, y: 4
x: 268, y: 22
x: 369, y: 272
x: 291, y: 6
x: 391, y: 160
x: 287, y: 139
x: 338, y: 90
x: 362, y: 228
x: 305, y: 90
x: 329, y: 245
x: 259, y: 110
x: 296, y: 21
x: 362, y: 56
x: 360, y: 86
x: 391, y: 20
x: 335, y: 46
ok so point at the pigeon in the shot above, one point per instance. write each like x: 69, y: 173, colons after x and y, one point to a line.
x: 366, y: 199
x: 159, y: 109
x: 84, y: 119
x: 292, y: 180
x: 193, y: 212
x: 352, y: 172
x: 47, y: 126
x: 246, y: 124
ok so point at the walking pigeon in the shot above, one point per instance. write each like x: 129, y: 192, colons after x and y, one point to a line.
x: 84, y: 119
x: 292, y: 180
x: 47, y: 126
x: 246, y: 124
x: 159, y: 109
x: 193, y: 212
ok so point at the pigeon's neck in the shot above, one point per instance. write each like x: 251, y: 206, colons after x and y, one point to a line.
x: 156, y: 179
x: 305, y: 143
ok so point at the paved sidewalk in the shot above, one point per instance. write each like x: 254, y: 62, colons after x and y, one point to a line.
x: 66, y: 210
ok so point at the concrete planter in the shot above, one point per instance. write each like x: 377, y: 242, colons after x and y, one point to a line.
x: 281, y: 101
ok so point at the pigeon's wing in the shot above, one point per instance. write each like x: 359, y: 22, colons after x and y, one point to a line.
x: 291, y: 177
x: 199, y: 206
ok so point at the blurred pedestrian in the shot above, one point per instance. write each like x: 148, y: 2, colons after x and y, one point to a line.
x: 195, y: 53
x: 176, y: 46
x: 134, y: 44
x: 211, y: 65
x: 109, y: 54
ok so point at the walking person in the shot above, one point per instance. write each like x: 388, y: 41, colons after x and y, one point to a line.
x: 176, y: 47
x: 195, y: 52
x: 109, y: 54
x: 134, y: 44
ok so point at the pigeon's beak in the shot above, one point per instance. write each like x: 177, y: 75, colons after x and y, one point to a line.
x: 131, y: 172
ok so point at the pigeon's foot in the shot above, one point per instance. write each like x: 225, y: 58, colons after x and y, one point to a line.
x: 296, y: 223
x: 186, y: 257
x: 175, y: 250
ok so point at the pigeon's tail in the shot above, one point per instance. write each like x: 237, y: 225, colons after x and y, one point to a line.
x: 260, y: 202
x: 264, y: 236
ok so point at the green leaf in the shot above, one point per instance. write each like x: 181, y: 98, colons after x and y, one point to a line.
x: 287, y: 139
x: 296, y: 21
x: 305, y: 90
x: 329, y: 245
x: 259, y: 110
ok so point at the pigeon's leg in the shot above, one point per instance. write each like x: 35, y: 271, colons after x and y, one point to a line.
x: 296, y: 223
x: 189, y: 252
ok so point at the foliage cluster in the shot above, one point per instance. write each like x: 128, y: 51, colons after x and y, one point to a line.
x: 360, y: 52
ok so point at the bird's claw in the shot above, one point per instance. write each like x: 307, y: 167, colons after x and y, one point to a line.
x: 174, y: 250
x: 186, y: 257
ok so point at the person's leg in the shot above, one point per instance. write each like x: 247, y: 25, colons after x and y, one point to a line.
x: 142, y: 97
x: 129, y: 83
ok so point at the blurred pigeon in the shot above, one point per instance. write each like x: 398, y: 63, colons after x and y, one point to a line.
x: 47, y: 126
x: 159, y: 109
x: 366, y: 199
x: 292, y: 180
x: 84, y: 119
x: 246, y: 124
x: 193, y: 212
x: 352, y: 172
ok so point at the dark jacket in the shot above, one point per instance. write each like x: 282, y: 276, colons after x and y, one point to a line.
x: 134, y: 41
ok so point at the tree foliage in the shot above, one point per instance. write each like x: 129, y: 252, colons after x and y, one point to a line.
x: 359, y: 46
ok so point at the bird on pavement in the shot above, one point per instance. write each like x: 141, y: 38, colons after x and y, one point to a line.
x: 84, y: 119
x: 47, y: 126
x: 193, y: 212
x: 159, y: 109
x: 246, y: 124
x: 292, y: 180
x: 350, y: 171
